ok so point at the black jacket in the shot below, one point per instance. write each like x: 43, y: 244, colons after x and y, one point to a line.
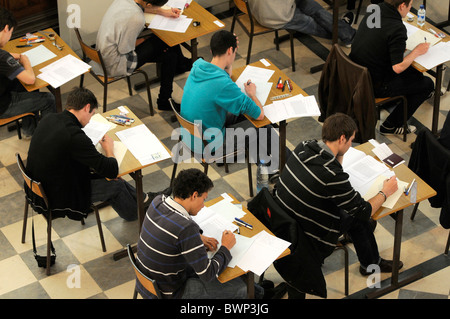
x: 61, y: 157
x: 431, y: 162
x: 302, y: 268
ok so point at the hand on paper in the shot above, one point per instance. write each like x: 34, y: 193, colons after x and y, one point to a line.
x: 250, y: 88
x: 390, y: 186
x: 209, y: 242
x: 228, y: 239
x: 107, y: 144
x: 422, y: 48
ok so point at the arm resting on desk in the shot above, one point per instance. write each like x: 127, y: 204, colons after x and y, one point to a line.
x: 420, y: 49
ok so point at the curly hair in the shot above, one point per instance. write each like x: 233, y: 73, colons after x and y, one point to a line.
x: 189, y: 181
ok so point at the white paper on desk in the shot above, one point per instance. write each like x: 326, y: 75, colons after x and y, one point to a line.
x: 254, y: 74
x: 39, y: 55
x: 436, y: 55
x: 239, y: 249
x: 296, y: 106
x: 95, y: 130
x: 262, y: 90
x: 377, y: 185
x: 179, y: 24
x: 143, y: 144
x: 227, y: 210
x: 63, y: 70
x: 119, y: 151
x: 100, y: 118
x: 264, y: 250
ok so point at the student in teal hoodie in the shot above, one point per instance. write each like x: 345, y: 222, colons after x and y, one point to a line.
x: 211, y: 96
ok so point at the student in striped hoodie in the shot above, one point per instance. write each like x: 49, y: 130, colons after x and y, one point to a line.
x: 172, y: 250
x: 314, y: 189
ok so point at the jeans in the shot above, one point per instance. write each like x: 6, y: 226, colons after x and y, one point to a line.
x: 35, y: 102
x: 411, y: 83
x: 363, y: 238
x: 311, y: 18
x: 195, y: 288
x: 119, y: 193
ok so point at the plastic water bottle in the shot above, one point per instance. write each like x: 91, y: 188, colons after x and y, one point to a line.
x: 421, y: 16
x: 262, y: 176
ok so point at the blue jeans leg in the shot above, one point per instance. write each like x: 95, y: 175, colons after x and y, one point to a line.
x: 311, y: 18
x: 35, y: 102
x: 119, y: 193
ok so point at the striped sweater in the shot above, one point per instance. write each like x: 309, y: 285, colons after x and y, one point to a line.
x: 170, y: 249
x: 313, y: 188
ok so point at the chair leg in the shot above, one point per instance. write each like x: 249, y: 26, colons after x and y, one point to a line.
x: 346, y: 266
x: 205, y: 168
x: 25, y: 218
x: 49, y: 243
x: 249, y: 173
x: 105, y: 96
x: 130, y: 91
x: 233, y: 22
x: 19, y: 134
x: 405, y: 118
x: 277, y: 41
x: 174, y: 171
x: 100, y: 230
x: 135, y: 293
x: 291, y: 39
x: 81, y: 80
x: 249, y: 51
x: 358, y: 11
x: 149, y: 95
x: 448, y: 245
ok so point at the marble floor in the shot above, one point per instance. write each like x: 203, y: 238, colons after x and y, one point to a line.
x: 83, y: 271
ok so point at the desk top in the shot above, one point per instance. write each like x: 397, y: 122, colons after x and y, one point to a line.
x: 273, y: 91
x: 425, y: 27
x: 197, y: 13
x: 403, y: 173
x: 11, y: 47
x: 129, y: 163
x: 231, y: 273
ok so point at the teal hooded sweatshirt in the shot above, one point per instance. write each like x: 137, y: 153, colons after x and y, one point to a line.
x: 209, y: 93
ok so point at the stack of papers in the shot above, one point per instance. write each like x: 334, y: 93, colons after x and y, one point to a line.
x: 143, y: 144
x: 63, y: 70
x: 296, y: 106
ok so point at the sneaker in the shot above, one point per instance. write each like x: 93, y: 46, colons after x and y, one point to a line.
x: 348, y: 18
x: 385, y: 266
x: 396, y: 130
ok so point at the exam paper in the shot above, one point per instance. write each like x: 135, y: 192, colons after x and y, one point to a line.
x: 436, y: 55
x: 377, y: 185
x: 63, y: 70
x: 179, y: 24
x: 417, y: 36
x: 95, y: 130
x: 296, y: 106
x: 143, y: 144
x: 260, y: 77
x: 39, y: 55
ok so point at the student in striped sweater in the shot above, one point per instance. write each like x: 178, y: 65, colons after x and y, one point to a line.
x: 315, y: 190
x: 172, y: 251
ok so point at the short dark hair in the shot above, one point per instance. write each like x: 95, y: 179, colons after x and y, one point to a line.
x: 397, y: 3
x: 79, y: 97
x: 156, y: 3
x: 221, y: 41
x: 337, y: 125
x: 189, y: 181
x: 7, y: 19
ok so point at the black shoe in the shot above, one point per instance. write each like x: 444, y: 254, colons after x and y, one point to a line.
x: 385, y: 266
x: 275, y: 293
x: 348, y: 18
x: 164, y: 105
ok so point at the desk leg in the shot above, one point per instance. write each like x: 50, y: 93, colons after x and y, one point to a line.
x: 437, y: 99
x: 137, y: 176
x: 282, y: 143
x: 194, y: 52
x: 250, y: 279
x: 395, y: 284
x: 58, y: 101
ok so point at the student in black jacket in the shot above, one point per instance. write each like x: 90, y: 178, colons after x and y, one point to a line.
x: 73, y: 173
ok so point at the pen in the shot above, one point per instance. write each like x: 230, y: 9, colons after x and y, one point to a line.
x: 284, y: 85
x: 249, y: 81
x: 410, y: 186
x: 280, y: 83
x: 434, y: 32
x: 425, y: 39
x: 289, y: 85
x: 23, y: 46
x: 242, y: 223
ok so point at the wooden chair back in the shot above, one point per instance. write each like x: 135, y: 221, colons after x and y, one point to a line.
x: 241, y: 5
x: 145, y: 281
x: 36, y: 187
x: 192, y: 128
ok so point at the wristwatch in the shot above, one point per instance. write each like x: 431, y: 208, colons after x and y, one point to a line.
x: 384, y: 195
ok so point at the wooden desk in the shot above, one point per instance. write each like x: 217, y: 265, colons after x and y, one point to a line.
x: 438, y: 74
x: 273, y: 92
x: 197, y: 13
x: 131, y: 166
x: 39, y: 84
x: 424, y: 191
x: 232, y: 273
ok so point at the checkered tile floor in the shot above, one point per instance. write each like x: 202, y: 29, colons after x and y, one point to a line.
x: 82, y: 270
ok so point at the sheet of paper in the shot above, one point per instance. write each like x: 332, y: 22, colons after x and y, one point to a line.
x: 179, y: 25
x: 377, y: 185
x: 227, y: 210
x: 39, y: 55
x: 436, y: 55
x: 382, y: 151
x: 143, y: 144
x: 254, y: 74
x: 417, y: 36
x: 63, y: 70
x: 95, y: 130
x: 239, y: 249
x: 296, y: 106
x: 100, y: 118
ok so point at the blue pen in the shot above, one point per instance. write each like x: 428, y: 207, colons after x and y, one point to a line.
x: 242, y: 223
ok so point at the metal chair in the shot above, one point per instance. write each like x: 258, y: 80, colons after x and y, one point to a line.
x: 251, y: 27
x: 16, y: 119
x: 105, y: 80
x: 38, y: 190
x: 195, y: 130
x: 145, y: 281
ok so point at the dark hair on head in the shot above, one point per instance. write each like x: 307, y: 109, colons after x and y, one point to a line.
x: 79, y: 97
x: 156, y: 3
x: 189, y: 181
x: 337, y: 125
x: 7, y: 19
x: 397, y: 3
x: 221, y: 41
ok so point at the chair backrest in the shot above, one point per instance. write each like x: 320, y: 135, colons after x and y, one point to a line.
x: 36, y: 187
x: 242, y: 5
x: 90, y: 53
x: 145, y: 281
x: 192, y: 128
